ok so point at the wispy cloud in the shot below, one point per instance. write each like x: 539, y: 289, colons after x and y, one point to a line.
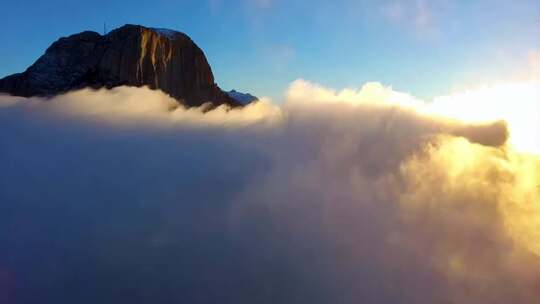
x: 280, y: 56
x: 418, y: 16
x: 263, y: 4
x: 534, y: 64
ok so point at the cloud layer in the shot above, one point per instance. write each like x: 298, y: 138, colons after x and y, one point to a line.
x: 333, y: 197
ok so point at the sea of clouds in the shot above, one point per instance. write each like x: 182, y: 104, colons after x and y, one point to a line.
x: 357, y: 196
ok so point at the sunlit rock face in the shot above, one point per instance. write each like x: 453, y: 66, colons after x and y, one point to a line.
x: 131, y: 55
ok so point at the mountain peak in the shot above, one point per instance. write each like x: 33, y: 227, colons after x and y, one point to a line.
x: 242, y: 98
x: 162, y: 32
x: 132, y: 55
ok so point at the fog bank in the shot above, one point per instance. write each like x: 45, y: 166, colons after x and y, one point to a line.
x: 123, y: 196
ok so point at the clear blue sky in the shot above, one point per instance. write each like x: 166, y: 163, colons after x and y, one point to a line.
x: 418, y: 46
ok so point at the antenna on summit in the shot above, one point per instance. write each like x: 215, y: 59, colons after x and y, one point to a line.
x: 104, y: 28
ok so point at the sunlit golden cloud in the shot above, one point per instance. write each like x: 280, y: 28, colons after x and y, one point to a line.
x: 516, y: 103
x: 433, y: 201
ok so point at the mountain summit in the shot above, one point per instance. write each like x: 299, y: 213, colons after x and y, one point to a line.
x: 131, y: 55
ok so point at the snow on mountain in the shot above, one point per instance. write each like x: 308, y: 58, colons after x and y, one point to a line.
x: 243, y: 98
x: 166, y: 32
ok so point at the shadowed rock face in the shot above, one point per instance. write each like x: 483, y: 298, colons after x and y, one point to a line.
x: 131, y: 55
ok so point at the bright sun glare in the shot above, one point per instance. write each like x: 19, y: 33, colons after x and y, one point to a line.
x: 516, y: 103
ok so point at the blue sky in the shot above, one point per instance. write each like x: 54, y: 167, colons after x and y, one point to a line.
x: 423, y: 47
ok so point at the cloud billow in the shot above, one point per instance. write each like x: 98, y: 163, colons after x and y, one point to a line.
x: 333, y: 197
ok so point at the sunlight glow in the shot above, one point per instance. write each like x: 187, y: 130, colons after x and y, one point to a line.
x: 516, y: 103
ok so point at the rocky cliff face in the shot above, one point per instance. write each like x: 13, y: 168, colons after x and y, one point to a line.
x: 132, y: 55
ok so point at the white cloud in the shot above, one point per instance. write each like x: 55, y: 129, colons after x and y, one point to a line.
x: 336, y: 196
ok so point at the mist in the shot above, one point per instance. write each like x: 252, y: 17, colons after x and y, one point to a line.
x: 123, y: 196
